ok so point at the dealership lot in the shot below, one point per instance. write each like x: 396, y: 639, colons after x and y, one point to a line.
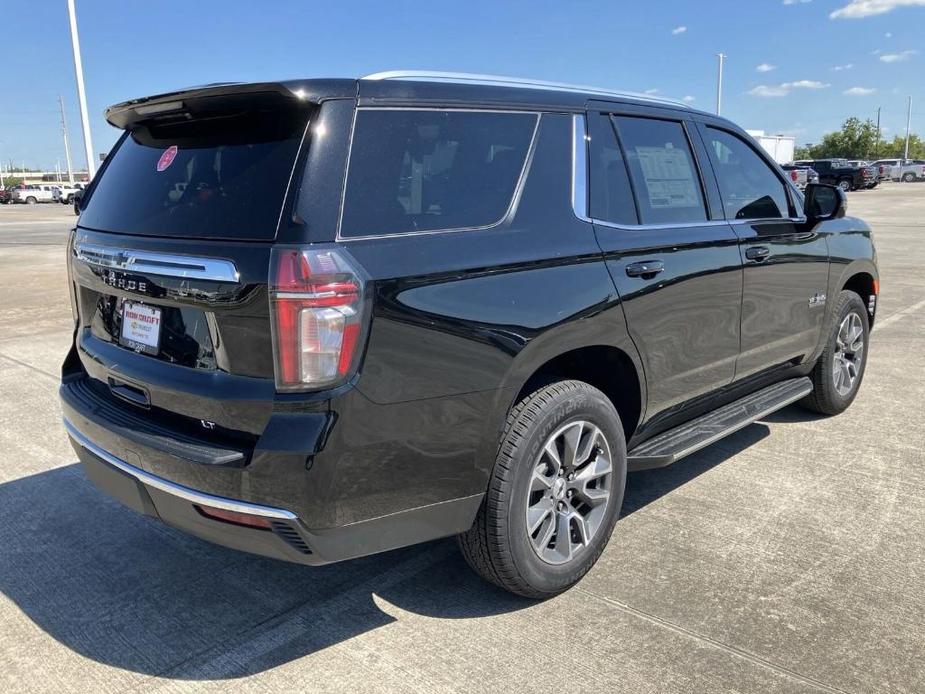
x: 788, y: 557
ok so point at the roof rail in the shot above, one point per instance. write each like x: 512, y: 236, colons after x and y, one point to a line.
x: 501, y: 81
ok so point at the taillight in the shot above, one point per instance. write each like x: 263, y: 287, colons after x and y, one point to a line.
x: 316, y: 298
x: 793, y: 176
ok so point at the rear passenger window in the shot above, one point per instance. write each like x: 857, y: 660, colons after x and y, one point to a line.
x: 611, y: 194
x: 662, y: 166
x: 413, y: 171
x: 749, y: 187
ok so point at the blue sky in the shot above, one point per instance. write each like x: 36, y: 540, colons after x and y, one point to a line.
x: 817, y: 69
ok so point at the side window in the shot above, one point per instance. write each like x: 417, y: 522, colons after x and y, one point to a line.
x: 611, y: 194
x: 664, y: 174
x: 426, y: 170
x: 749, y: 187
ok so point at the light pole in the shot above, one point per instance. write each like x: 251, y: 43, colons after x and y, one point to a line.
x: 81, y: 93
x: 67, y: 146
x: 908, y: 124
x: 877, y: 146
x: 719, y: 83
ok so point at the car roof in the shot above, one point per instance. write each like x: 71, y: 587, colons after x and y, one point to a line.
x: 396, y: 87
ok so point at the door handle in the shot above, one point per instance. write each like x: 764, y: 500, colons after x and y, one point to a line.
x: 647, y: 269
x: 758, y: 253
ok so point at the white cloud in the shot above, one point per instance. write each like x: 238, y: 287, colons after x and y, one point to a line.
x: 766, y: 90
x: 795, y: 2
x: 689, y: 99
x: 652, y: 92
x: 783, y: 89
x: 857, y: 9
x: 897, y: 57
x: 765, y: 67
x: 859, y: 91
x: 678, y: 30
x: 840, y: 68
x: 805, y: 84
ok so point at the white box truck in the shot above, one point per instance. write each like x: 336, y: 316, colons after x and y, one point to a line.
x: 780, y: 147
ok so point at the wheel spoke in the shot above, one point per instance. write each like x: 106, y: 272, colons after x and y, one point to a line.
x: 846, y: 375
x: 545, y: 536
x: 541, y: 482
x: 553, y: 454
x: 587, y: 446
x: 584, y: 531
x: 571, y: 438
x: 564, y: 536
x: 536, y: 515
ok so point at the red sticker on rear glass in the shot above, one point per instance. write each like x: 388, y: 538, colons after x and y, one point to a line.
x: 167, y: 158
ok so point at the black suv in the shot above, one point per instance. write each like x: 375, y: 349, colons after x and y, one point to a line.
x: 320, y: 319
x: 838, y: 172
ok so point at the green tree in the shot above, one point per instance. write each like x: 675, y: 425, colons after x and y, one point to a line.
x: 856, y: 140
x: 897, y: 147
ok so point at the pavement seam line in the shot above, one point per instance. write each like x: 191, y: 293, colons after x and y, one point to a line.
x: 725, y: 647
x: 892, y: 318
x: 28, y: 366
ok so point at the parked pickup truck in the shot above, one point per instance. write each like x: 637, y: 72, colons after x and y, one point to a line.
x: 31, y: 194
x: 66, y: 194
x: 878, y: 173
x: 837, y: 172
x: 294, y: 345
x: 799, y: 175
x: 907, y: 170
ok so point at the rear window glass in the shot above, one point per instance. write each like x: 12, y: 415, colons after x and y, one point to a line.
x: 611, y: 194
x: 413, y: 171
x: 221, y: 177
x: 663, y: 170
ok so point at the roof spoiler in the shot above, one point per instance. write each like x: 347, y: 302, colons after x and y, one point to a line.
x: 197, y: 102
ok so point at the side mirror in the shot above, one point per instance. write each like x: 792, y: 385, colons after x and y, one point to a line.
x: 824, y: 202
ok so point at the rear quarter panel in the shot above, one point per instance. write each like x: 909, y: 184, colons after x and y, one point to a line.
x: 460, y: 322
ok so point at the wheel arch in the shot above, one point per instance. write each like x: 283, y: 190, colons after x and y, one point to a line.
x: 608, y: 368
x: 863, y: 281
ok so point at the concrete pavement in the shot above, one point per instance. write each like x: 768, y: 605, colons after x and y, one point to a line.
x: 786, y: 558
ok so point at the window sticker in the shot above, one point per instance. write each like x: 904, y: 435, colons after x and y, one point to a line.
x: 669, y: 178
x: 167, y: 158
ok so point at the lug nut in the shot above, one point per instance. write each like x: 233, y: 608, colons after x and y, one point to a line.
x: 570, y: 493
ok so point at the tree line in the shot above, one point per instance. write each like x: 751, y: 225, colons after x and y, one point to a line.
x: 859, y: 139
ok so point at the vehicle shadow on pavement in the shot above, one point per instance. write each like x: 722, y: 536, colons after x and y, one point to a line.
x: 130, y: 592
x: 646, y: 486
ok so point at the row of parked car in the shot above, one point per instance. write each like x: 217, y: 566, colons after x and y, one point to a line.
x: 854, y: 174
x: 44, y: 192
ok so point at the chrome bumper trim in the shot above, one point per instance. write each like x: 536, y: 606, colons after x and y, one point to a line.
x: 174, y: 489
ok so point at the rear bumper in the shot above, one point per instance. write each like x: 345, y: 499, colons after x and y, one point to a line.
x: 287, y: 538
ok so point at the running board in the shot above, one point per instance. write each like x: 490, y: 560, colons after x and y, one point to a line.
x: 672, y: 445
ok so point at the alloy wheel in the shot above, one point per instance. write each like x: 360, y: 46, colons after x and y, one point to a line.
x: 849, y: 353
x: 569, y: 492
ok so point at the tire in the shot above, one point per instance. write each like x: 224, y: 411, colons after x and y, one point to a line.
x: 845, y: 185
x: 908, y: 177
x: 830, y: 394
x: 499, y: 546
x: 31, y: 200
